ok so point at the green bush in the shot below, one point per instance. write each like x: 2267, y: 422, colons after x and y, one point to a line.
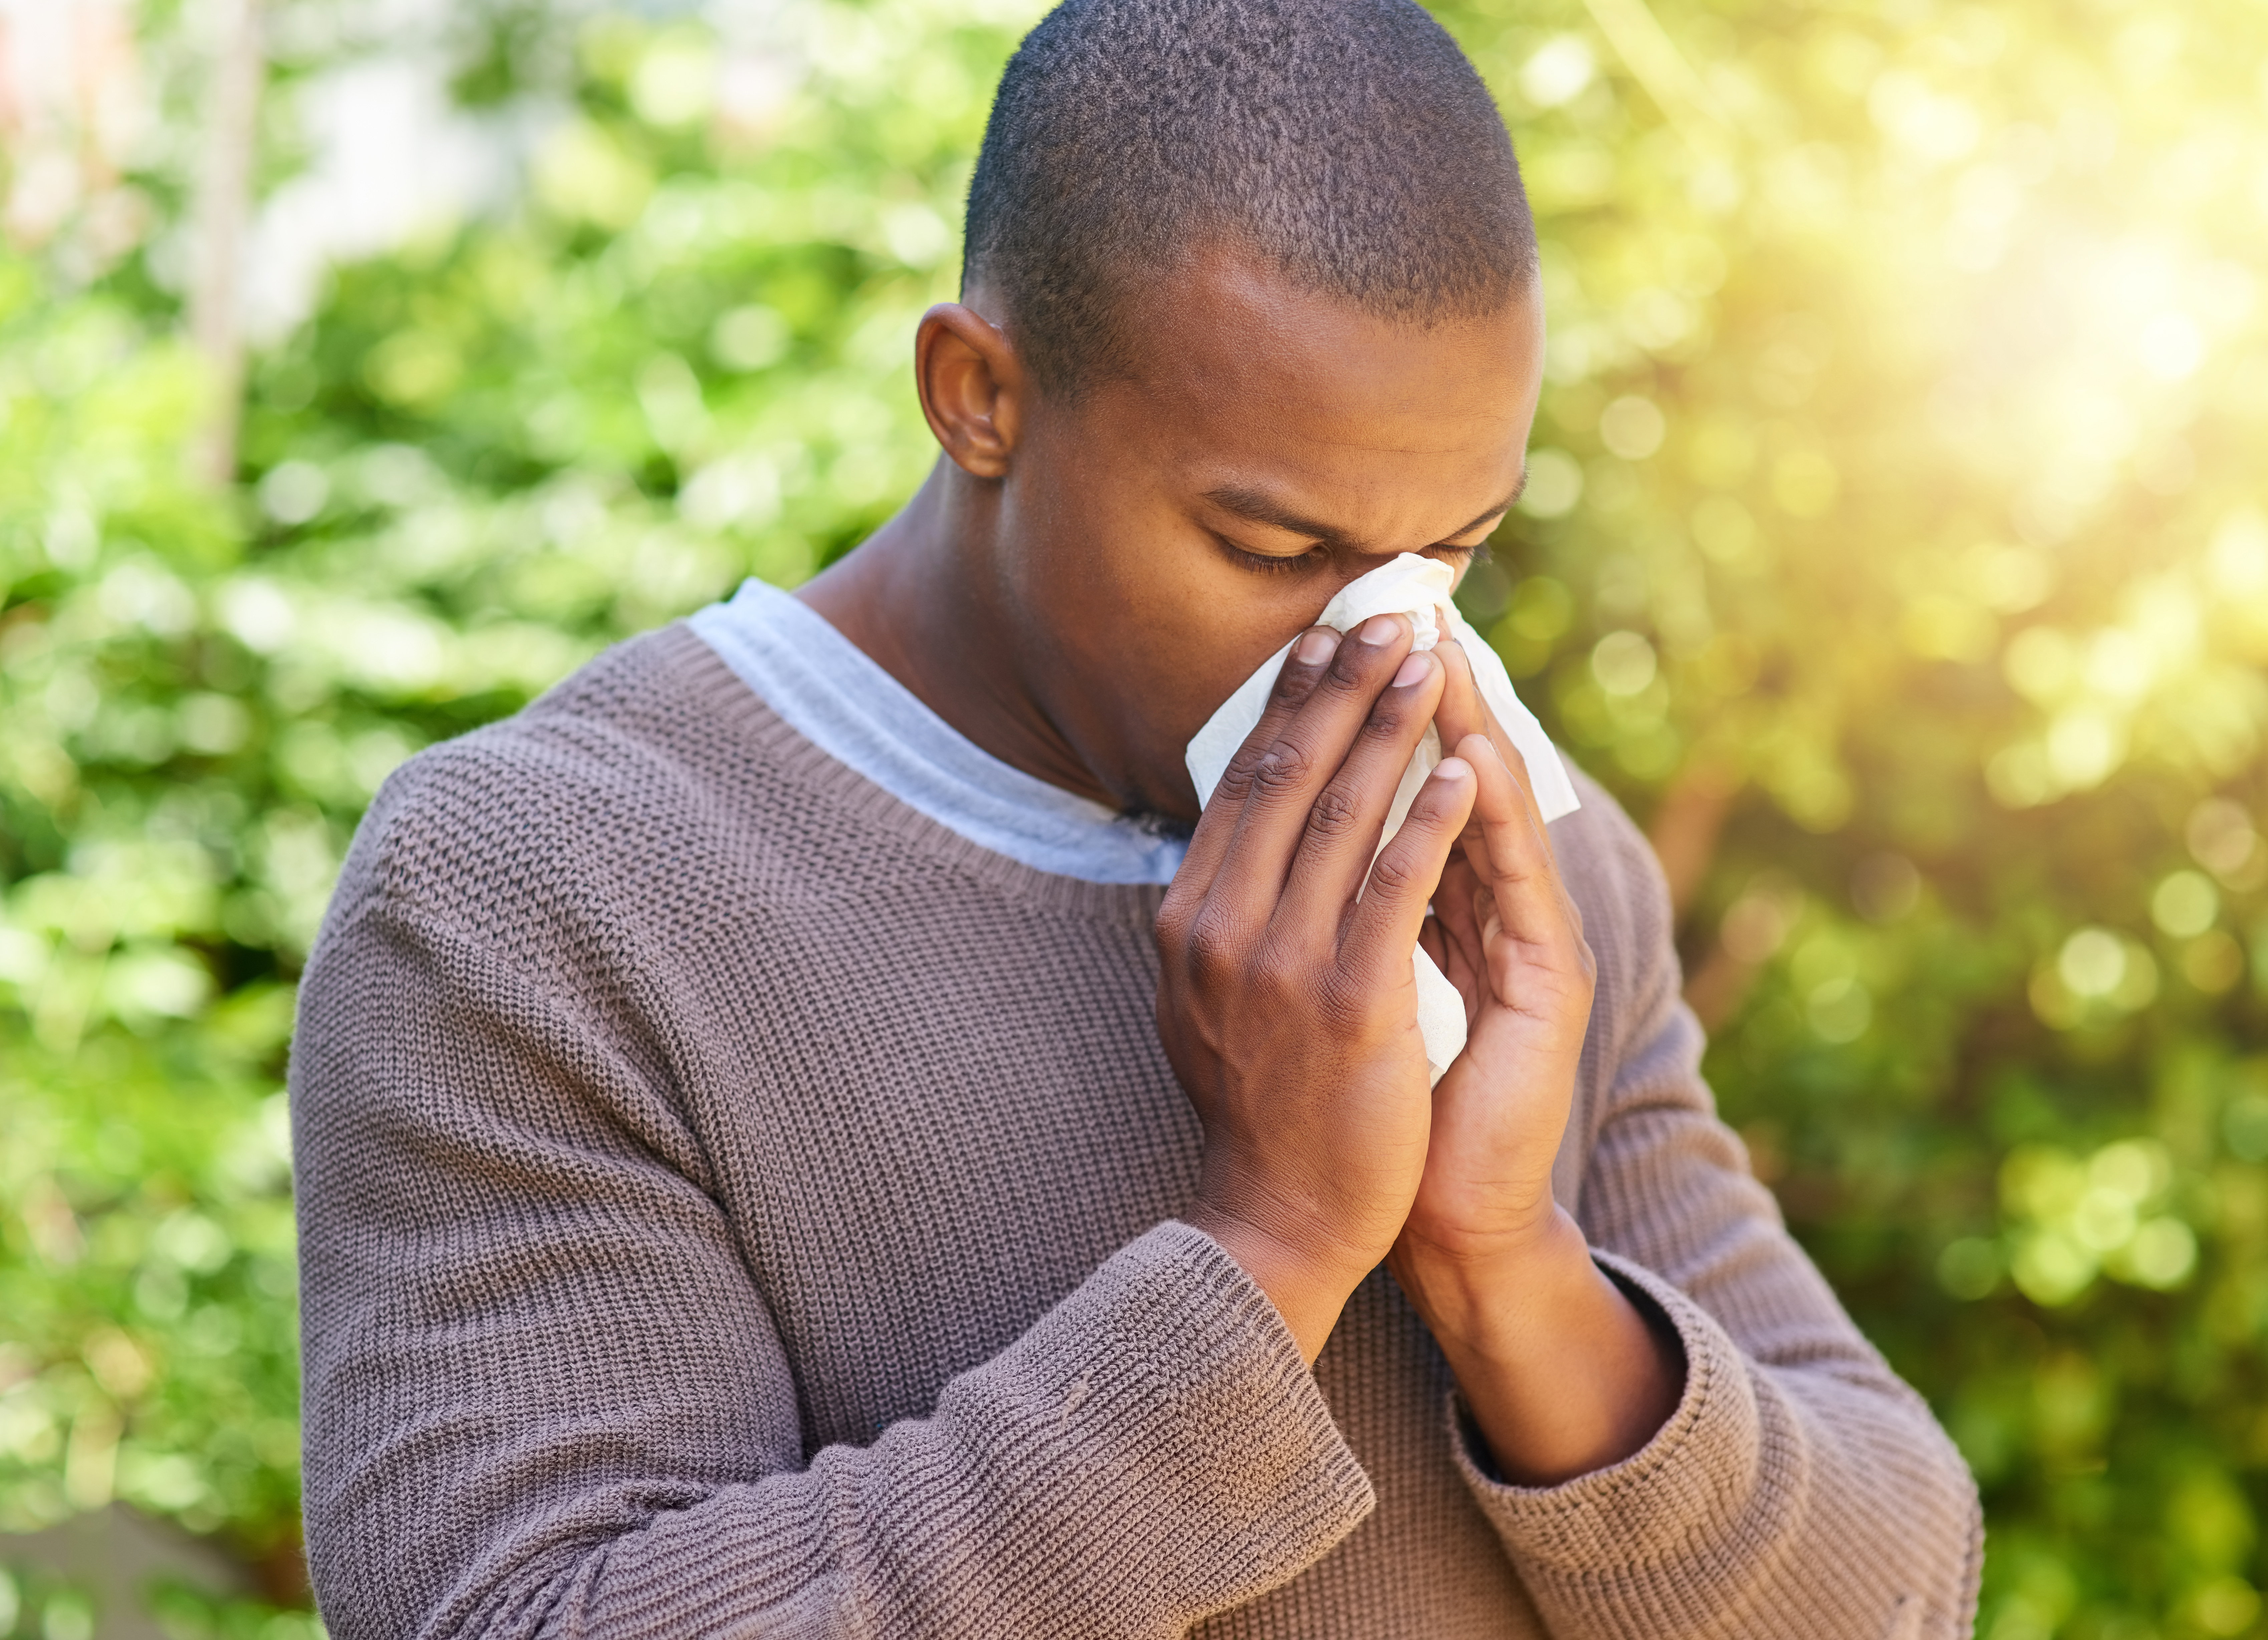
x: 1893, y: 547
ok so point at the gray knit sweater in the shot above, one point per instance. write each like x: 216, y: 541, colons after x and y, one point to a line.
x: 733, y: 1204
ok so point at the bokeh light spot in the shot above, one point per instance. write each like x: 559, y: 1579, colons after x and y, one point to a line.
x: 1555, y: 484
x: 2092, y: 963
x: 1558, y: 73
x: 1631, y: 427
x: 2171, y: 346
x: 1624, y: 662
x: 1970, y: 1268
x: 2184, y: 903
x: 2163, y: 1253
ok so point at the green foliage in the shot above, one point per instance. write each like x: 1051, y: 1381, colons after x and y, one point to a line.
x: 1887, y: 545
x: 1900, y: 382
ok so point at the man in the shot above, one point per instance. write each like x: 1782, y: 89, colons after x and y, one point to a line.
x: 795, y: 1137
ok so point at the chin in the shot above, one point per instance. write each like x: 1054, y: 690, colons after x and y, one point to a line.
x: 1157, y: 822
x: 1158, y: 800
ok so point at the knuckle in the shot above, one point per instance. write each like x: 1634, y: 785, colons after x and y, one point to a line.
x: 1392, y: 874
x: 1336, y: 814
x: 1427, y: 821
x: 1295, y: 683
x: 1351, y: 672
x: 1341, y: 1001
x: 1438, y: 808
x: 1384, y: 728
x: 1282, y: 769
x: 1274, y: 979
x: 1236, y: 779
x: 1211, y: 948
x: 1586, y: 965
x: 1173, y: 929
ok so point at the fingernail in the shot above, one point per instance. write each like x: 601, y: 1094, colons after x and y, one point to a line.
x: 1413, y: 669
x: 1452, y: 769
x: 1379, y: 630
x: 1316, y: 647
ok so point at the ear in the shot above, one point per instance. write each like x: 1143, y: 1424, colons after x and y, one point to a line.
x: 972, y: 388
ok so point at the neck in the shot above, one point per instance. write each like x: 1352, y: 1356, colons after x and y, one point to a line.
x: 925, y: 598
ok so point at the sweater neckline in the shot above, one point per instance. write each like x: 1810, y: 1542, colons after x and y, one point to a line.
x: 839, y: 698
x: 718, y: 691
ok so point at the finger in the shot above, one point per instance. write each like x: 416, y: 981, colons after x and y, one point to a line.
x: 1457, y: 916
x: 1348, y: 814
x: 1450, y: 935
x: 1304, y: 665
x: 1285, y: 781
x: 1383, y: 929
x: 1519, y: 871
x: 1464, y: 710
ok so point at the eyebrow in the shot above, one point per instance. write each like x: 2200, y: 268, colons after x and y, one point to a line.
x: 1262, y: 509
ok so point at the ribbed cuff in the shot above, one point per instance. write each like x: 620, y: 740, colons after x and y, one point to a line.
x: 1676, y: 1497
x: 1200, y: 1447
x: 1234, y: 1377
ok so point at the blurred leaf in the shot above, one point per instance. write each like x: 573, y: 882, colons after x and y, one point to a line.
x: 1893, y: 546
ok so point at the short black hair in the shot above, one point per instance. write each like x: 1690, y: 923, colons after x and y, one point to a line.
x: 1348, y: 143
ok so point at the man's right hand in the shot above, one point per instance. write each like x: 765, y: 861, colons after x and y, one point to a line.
x: 1287, y: 1005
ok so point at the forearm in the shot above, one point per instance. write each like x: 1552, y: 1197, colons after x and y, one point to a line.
x: 530, y: 1334
x: 1158, y: 1394
x: 1152, y: 1397
x: 1809, y: 1499
x: 1561, y: 1372
x: 1797, y: 1491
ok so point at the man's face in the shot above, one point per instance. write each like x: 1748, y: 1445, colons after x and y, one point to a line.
x: 1166, y: 533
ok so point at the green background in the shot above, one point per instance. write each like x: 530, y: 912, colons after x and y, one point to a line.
x: 1895, y: 549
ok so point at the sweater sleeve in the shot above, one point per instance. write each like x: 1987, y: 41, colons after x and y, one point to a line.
x: 544, y: 1395
x: 1800, y: 1490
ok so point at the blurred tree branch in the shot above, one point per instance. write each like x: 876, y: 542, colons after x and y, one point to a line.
x: 221, y: 220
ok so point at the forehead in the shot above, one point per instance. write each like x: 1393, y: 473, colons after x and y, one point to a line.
x: 1238, y: 374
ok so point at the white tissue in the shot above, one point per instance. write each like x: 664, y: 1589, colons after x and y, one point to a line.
x: 1419, y: 588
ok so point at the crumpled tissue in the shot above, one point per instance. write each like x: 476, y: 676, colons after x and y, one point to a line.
x: 1418, y: 588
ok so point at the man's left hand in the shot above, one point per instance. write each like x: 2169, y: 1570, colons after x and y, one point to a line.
x: 1561, y: 1372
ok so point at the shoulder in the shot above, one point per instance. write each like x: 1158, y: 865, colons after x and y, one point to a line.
x: 602, y: 768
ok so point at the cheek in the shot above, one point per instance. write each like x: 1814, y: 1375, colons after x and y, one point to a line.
x: 1147, y: 625
x: 1240, y: 623
x: 1137, y: 602
x: 1196, y: 628
x: 1158, y: 631
x: 1156, y: 624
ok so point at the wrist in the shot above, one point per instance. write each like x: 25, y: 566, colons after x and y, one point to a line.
x: 1561, y: 1372
x: 1486, y: 1305
x: 1308, y: 1290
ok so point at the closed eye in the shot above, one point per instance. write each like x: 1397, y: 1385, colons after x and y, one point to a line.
x: 1271, y: 563
x: 1319, y: 554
